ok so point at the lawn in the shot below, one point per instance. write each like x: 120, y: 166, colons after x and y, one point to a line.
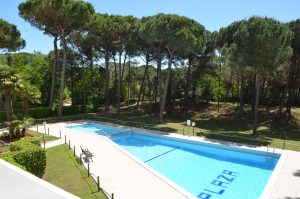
x: 35, y: 134
x: 64, y: 171
x: 40, y: 136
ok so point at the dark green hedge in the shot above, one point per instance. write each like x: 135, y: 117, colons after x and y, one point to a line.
x: 43, y: 112
x: 29, y: 155
x: 70, y: 110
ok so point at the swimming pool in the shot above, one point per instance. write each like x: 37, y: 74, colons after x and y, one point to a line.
x: 206, y: 170
x: 98, y: 129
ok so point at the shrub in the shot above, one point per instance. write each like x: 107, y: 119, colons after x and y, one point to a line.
x: 41, y: 112
x: 33, y: 159
x: 28, y: 155
x: 24, y: 143
x: 70, y: 110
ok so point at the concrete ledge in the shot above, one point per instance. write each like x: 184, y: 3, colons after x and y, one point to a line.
x: 16, y: 183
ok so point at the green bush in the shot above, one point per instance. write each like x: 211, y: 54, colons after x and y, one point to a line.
x: 41, y: 112
x: 23, y: 144
x: 70, y: 110
x: 33, y: 159
x: 28, y: 155
x: 2, y: 116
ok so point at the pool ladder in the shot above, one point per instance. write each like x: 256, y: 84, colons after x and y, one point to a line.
x: 270, y: 156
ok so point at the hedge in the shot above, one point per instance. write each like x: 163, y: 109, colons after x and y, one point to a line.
x: 70, y: 110
x: 43, y: 112
x: 28, y: 155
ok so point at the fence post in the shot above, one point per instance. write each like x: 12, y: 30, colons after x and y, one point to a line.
x: 59, y: 133
x: 88, y: 169
x: 74, y: 151
x: 80, y: 159
x: 65, y: 139
x: 183, y: 131
x: 193, y: 131
x: 98, y: 183
x: 69, y: 144
x: 37, y: 128
x: 283, y: 144
x: 44, y: 142
x: 112, y: 196
x: 48, y: 130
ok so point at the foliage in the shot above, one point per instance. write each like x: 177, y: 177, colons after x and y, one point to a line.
x: 10, y: 37
x: 29, y: 155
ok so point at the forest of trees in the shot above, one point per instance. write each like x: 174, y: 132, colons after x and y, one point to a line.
x: 158, y: 62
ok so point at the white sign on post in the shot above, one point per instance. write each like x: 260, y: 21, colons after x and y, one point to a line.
x: 189, y: 122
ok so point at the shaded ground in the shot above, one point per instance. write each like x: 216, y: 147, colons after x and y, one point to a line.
x: 64, y: 171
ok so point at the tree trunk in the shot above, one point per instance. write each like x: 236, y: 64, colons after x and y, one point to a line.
x: 106, y: 57
x: 187, y: 85
x: 25, y: 107
x: 53, y: 74
x: 83, y: 87
x: 257, y: 92
x: 72, y: 85
x: 119, y: 84
x: 241, y: 94
x: 219, y: 86
x: 143, y: 80
x: 165, y: 90
x: 282, y: 101
x: 129, y: 84
x: 92, y: 73
x: 62, y: 80
x: 9, y: 106
x: 229, y: 85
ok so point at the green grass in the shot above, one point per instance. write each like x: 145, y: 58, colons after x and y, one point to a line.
x: 40, y: 136
x: 64, y: 171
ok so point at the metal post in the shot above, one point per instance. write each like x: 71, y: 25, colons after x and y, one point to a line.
x: 283, y: 144
x: 37, y: 128
x: 69, y: 144
x: 183, y: 131
x: 193, y: 131
x: 98, y: 183
x: 65, y: 139
x: 88, y: 169
x: 112, y: 196
x: 48, y: 130
x: 44, y: 142
x: 80, y: 160
x: 60, y: 134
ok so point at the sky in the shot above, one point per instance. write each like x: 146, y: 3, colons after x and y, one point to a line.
x: 213, y: 14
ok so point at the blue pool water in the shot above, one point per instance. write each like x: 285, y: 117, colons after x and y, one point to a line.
x: 98, y: 129
x: 206, y: 170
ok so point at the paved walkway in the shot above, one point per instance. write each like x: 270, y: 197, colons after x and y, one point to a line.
x: 128, y: 178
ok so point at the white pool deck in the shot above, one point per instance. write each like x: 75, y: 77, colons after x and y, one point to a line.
x: 129, y: 178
